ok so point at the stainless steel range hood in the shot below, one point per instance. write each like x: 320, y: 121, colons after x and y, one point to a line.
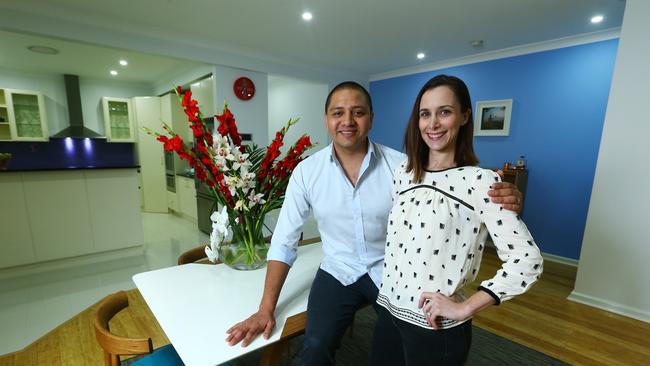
x: 77, y: 128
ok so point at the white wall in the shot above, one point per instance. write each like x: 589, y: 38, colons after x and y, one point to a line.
x: 251, y: 115
x: 92, y: 91
x: 52, y: 87
x: 292, y: 98
x: 613, y: 273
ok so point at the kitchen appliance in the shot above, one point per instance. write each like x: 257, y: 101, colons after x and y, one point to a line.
x: 73, y: 94
x: 171, y: 182
x: 204, y: 207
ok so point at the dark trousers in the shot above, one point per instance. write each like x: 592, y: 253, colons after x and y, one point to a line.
x: 420, y: 346
x: 330, y: 311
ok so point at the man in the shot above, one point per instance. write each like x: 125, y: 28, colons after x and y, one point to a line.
x: 348, y: 186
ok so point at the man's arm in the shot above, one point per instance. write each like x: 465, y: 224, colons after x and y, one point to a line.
x: 506, y: 194
x: 263, y: 321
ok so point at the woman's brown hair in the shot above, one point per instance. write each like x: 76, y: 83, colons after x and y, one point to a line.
x: 417, y: 150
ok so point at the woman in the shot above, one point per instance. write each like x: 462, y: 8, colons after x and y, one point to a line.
x: 437, y: 229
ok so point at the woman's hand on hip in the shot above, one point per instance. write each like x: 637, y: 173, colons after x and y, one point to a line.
x: 434, y: 304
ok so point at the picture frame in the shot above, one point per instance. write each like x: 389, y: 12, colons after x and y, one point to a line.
x: 492, y: 117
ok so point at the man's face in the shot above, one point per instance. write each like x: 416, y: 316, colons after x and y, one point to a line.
x: 348, y: 120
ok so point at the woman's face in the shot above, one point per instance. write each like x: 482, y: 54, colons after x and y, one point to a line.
x: 440, y: 119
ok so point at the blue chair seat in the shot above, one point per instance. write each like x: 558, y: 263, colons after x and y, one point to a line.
x: 163, y: 356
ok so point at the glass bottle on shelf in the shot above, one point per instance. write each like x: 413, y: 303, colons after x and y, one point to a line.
x: 521, y: 163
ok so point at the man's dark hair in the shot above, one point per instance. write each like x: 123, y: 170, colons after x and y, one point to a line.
x: 349, y: 85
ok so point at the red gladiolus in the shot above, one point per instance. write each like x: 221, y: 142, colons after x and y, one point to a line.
x: 228, y: 127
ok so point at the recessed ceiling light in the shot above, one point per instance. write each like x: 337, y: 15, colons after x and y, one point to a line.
x: 307, y: 16
x: 597, y: 19
x: 123, y: 62
x: 113, y: 72
x: 43, y: 49
x: 420, y: 55
x: 477, y: 43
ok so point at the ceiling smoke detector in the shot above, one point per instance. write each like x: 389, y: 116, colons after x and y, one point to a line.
x: 43, y: 49
x: 477, y: 43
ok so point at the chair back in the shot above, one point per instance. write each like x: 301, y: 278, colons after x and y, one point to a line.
x: 194, y: 255
x: 114, y: 345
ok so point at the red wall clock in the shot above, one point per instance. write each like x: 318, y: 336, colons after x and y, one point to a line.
x: 244, y: 88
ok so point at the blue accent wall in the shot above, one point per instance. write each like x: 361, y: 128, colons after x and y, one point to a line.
x: 559, y: 102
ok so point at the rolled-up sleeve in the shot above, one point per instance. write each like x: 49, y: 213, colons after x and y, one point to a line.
x: 293, y: 215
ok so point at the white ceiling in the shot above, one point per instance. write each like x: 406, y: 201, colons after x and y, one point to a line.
x: 85, y: 60
x: 362, y: 36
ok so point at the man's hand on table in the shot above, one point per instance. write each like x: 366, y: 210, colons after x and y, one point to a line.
x: 506, y: 194
x: 249, y: 329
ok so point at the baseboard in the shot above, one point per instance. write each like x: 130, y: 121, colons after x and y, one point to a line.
x: 57, y: 264
x: 547, y: 257
x: 610, y: 306
x: 184, y: 216
x: 559, y: 259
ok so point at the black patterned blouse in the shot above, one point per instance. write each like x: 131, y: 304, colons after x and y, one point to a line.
x: 436, y: 234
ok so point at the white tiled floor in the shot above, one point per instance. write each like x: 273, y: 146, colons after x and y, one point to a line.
x: 32, y: 305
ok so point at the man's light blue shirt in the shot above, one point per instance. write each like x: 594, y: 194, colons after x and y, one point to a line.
x: 351, y: 219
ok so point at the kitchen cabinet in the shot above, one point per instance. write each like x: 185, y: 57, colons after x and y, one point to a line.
x: 186, y: 193
x: 54, y: 215
x: 202, y: 91
x: 17, y: 245
x: 22, y: 116
x: 172, y: 201
x: 118, y: 119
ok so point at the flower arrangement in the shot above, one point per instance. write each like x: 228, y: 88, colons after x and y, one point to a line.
x: 247, y: 181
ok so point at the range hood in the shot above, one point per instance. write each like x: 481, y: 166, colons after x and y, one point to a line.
x: 77, y: 128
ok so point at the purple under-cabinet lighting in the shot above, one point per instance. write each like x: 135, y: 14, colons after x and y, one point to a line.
x: 88, y: 146
x: 69, y: 145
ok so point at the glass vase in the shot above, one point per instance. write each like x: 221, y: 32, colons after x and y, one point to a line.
x: 248, y: 247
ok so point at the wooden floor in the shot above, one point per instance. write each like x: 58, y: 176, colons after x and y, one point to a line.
x: 541, y: 319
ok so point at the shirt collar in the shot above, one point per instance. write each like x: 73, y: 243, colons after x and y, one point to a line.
x: 371, y: 152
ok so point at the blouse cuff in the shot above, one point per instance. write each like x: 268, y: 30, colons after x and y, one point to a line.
x: 496, y: 298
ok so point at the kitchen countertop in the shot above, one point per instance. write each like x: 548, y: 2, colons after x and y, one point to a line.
x: 186, y: 175
x: 69, y: 168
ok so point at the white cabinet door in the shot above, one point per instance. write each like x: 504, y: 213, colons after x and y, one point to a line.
x: 187, y: 196
x: 114, y: 204
x: 203, y: 92
x: 118, y: 119
x: 25, y: 114
x: 57, y: 203
x: 16, y: 245
x: 150, y: 154
x: 172, y: 201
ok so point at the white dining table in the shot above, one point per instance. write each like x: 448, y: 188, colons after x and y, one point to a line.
x: 196, y: 303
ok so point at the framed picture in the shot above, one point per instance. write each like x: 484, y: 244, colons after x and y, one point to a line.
x: 492, y: 118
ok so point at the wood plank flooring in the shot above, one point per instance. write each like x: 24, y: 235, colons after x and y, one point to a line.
x: 541, y: 319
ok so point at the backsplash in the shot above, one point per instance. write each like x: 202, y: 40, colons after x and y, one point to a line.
x: 68, y: 153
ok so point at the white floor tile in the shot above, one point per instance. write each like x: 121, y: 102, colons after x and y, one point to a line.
x: 31, y: 306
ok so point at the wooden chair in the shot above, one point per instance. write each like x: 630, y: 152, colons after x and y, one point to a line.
x: 115, y: 346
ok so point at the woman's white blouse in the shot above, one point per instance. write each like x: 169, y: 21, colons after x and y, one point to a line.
x: 436, y: 235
